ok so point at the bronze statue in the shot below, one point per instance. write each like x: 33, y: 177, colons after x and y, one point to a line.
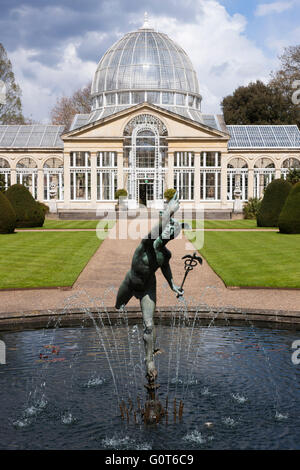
x: 140, y: 281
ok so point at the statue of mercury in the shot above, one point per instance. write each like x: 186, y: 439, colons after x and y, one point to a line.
x: 140, y: 281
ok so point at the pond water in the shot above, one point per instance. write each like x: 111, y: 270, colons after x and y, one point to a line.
x: 61, y: 388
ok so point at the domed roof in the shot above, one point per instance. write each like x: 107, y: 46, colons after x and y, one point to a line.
x: 145, y: 60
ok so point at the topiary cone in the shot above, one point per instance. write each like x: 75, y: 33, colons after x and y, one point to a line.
x: 28, y: 211
x: 7, y: 215
x: 273, y: 202
x: 289, y: 219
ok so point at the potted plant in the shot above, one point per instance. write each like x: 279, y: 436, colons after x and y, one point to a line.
x: 121, y: 196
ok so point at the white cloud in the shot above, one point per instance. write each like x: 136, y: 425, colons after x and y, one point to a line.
x: 275, y: 7
x: 223, y: 56
x: 41, y: 84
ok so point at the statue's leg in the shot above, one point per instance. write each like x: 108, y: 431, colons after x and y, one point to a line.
x: 148, y: 303
x: 124, y: 293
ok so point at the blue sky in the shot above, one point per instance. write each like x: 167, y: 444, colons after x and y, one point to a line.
x: 55, y: 45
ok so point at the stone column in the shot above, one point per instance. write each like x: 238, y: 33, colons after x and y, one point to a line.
x: 223, y: 180
x: 93, y: 179
x: 40, y: 184
x: 170, y: 177
x: 277, y: 173
x: 120, y: 171
x: 250, y: 183
x: 197, y: 180
x: 13, y: 176
x: 67, y: 180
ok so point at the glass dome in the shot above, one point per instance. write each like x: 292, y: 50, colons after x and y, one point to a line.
x: 145, y: 65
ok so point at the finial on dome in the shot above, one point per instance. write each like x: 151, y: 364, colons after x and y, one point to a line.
x: 146, y: 24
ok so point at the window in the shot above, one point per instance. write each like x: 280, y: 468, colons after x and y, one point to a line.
x: 180, y: 99
x: 110, y: 98
x: 184, y: 184
x: 167, y: 98
x: 27, y: 174
x: 210, y: 185
x: 106, y: 185
x: 191, y: 101
x: 80, y: 185
x: 210, y: 159
x: 53, y: 179
x: 107, y: 159
x: 138, y: 97
x: 80, y: 159
x: 124, y: 97
x: 184, y: 159
x: 5, y: 173
x: 153, y: 97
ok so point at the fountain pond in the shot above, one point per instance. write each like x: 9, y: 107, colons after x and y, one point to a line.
x: 225, y: 386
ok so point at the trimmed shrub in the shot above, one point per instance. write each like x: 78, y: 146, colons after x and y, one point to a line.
x: 289, y: 219
x: 251, y: 208
x: 44, y: 207
x: 7, y: 215
x: 169, y: 194
x: 273, y: 202
x: 28, y: 211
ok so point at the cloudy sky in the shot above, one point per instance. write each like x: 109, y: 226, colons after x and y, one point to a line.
x: 55, y: 45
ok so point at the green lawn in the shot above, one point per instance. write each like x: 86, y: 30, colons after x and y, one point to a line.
x: 225, y: 224
x: 75, y: 224
x: 38, y: 259
x: 257, y: 259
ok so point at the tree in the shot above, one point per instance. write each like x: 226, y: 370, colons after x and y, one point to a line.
x: 11, y: 110
x: 257, y: 103
x: 66, y: 107
x: 293, y: 176
x: 27, y: 209
x: 285, y: 78
x: 289, y: 219
x: 273, y: 202
x: 7, y: 215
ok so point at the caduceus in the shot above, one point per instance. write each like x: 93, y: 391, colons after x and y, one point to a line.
x: 191, y: 261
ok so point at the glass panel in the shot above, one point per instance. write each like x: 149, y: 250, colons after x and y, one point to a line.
x: 138, y: 97
x: 124, y: 98
x: 191, y: 101
x: 153, y: 97
x: 110, y: 98
x: 180, y: 99
x: 4, y: 163
x: 167, y: 98
x: 78, y: 159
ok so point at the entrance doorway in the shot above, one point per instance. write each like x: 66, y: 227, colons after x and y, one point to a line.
x: 146, y: 191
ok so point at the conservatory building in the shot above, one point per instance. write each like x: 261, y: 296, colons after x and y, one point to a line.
x: 146, y: 133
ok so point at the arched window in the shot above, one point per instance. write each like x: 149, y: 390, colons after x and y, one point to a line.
x: 26, y: 162
x: 53, y: 179
x: 237, y: 178
x: 264, y: 174
x: 53, y: 162
x: 291, y: 163
x: 5, y: 173
x: 27, y: 174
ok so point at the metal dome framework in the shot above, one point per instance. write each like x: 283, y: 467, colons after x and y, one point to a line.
x: 145, y: 66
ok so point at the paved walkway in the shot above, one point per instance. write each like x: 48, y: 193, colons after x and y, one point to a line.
x: 99, y: 281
